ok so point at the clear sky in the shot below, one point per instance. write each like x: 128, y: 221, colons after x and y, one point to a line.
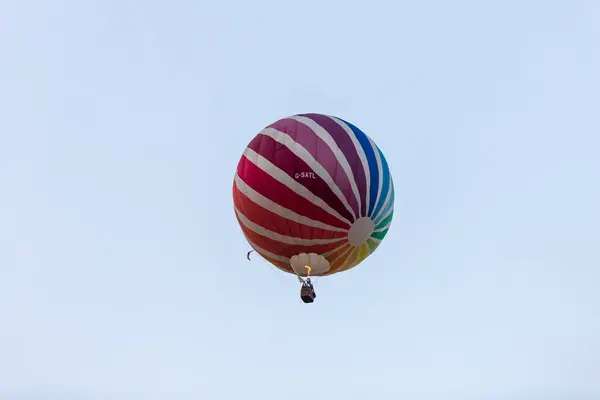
x: 123, y: 272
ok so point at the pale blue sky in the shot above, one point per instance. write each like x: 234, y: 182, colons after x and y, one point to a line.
x: 122, y: 267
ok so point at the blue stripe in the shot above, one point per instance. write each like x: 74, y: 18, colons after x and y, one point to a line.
x: 373, y: 172
x: 385, y: 183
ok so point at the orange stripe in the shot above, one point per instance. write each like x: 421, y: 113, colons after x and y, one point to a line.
x: 350, y: 260
x: 338, y: 263
x: 338, y: 252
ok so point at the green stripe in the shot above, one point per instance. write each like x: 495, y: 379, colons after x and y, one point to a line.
x: 372, y: 244
x: 385, y: 221
x: 379, y: 235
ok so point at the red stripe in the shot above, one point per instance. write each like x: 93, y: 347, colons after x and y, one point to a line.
x: 307, y: 138
x: 277, y: 192
x: 279, y: 264
x: 276, y: 263
x: 284, y: 249
x: 284, y: 159
x: 276, y: 223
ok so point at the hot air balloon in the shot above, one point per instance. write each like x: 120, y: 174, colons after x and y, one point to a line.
x: 313, y: 196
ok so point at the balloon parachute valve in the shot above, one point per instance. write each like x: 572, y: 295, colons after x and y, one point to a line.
x: 309, y: 264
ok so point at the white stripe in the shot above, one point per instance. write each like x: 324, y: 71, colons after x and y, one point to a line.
x: 363, y: 159
x: 300, y: 152
x: 349, y: 264
x: 380, y: 170
x: 384, y: 216
x: 387, y: 226
x: 375, y: 240
x: 386, y: 201
x: 279, y: 210
x: 357, y: 259
x: 264, y: 256
x: 330, y: 252
x: 283, y: 178
x: 339, y: 155
x: 368, y: 249
x: 262, y: 251
x: 282, y: 238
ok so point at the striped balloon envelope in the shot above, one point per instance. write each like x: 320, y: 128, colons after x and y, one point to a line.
x: 313, y: 195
